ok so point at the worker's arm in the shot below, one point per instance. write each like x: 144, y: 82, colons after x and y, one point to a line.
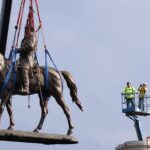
x: 135, y: 91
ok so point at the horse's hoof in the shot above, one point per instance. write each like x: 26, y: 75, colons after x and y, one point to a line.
x: 70, y: 132
x: 10, y: 128
x: 71, y: 127
x: 36, y: 130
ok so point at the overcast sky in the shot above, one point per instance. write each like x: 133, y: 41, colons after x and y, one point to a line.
x: 104, y: 44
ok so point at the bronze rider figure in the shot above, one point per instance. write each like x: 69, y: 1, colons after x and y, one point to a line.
x: 26, y: 58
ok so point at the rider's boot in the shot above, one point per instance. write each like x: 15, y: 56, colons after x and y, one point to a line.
x: 25, y: 81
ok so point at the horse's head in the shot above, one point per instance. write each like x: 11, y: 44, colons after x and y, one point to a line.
x: 2, y: 62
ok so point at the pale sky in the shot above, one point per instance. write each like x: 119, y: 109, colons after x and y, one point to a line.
x: 104, y: 44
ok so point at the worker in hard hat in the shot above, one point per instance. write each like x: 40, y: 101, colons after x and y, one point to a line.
x: 142, y: 91
x: 129, y: 94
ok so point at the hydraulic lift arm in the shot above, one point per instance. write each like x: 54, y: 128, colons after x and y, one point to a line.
x: 137, y: 127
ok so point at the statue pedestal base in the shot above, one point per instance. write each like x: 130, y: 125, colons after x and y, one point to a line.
x: 31, y: 137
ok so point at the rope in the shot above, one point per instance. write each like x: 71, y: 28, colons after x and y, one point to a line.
x: 38, y: 70
x: 40, y: 24
x: 38, y: 12
x: 46, y: 51
x: 31, y: 3
x: 30, y: 19
x: 20, y: 22
x: 16, y: 26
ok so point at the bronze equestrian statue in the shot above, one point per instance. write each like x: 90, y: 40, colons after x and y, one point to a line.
x: 55, y: 90
x: 30, y: 80
x: 33, y: 82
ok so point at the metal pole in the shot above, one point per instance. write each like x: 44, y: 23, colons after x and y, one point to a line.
x: 4, y: 23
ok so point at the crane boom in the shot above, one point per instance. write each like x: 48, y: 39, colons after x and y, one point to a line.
x: 4, y: 23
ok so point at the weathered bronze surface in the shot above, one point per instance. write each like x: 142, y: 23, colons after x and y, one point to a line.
x: 37, y: 87
x: 26, y: 59
x: 32, y: 137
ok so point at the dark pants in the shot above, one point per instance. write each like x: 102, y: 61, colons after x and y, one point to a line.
x: 141, y: 104
x: 130, y: 103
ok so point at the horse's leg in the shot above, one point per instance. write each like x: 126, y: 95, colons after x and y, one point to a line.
x: 60, y: 100
x: 44, y: 112
x: 4, y: 99
x: 10, y: 113
x: 1, y: 110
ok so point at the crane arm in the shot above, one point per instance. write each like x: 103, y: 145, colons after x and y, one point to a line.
x: 4, y: 23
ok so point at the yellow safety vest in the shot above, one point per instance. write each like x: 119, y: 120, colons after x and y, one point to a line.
x: 142, y: 91
x: 129, y: 92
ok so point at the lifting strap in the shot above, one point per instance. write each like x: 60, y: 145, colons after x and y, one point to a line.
x: 12, y: 69
x: 47, y: 54
x: 46, y: 74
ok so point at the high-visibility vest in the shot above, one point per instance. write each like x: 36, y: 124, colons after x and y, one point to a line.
x: 142, y: 91
x: 129, y: 92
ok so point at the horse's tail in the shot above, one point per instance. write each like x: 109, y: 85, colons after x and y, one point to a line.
x: 73, y: 88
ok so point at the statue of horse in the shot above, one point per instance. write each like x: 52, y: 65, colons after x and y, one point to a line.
x: 37, y: 86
